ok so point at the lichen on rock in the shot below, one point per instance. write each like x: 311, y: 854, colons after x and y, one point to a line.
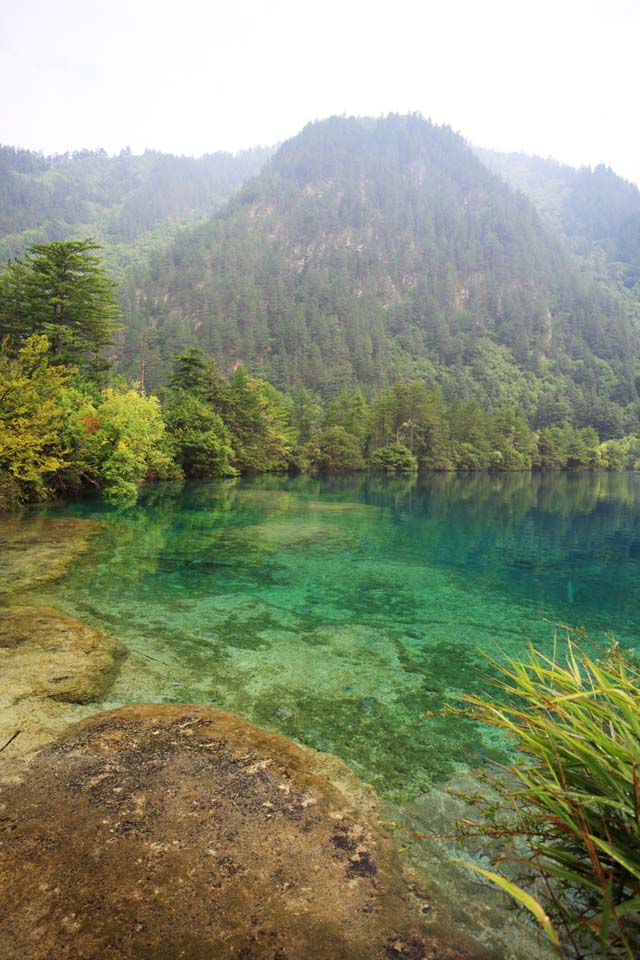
x: 180, y: 831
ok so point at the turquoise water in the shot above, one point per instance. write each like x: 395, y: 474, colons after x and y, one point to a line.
x: 347, y: 613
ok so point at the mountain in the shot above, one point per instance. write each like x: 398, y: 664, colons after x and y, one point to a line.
x: 131, y: 204
x: 596, y: 210
x: 372, y: 249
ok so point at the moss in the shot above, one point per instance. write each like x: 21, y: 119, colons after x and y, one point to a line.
x: 178, y: 805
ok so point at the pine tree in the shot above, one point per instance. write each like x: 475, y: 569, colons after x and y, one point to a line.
x: 61, y: 290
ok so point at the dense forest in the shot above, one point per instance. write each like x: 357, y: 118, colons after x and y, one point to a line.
x: 68, y: 422
x: 368, y: 296
x: 595, y: 209
x: 131, y: 204
x: 371, y: 251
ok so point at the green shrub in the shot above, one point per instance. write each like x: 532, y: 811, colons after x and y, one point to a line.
x: 574, y: 795
x: 336, y: 452
x: 32, y: 450
x: 198, y: 437
x: 394, y: 458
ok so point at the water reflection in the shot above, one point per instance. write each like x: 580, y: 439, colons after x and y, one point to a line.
x: 346, y: 612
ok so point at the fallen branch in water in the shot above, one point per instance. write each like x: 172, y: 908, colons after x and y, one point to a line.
x: 10, y: 740
x: 149, y: 657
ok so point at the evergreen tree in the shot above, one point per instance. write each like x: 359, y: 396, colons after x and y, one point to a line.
x: 61, y: 290
x: 200, y: 441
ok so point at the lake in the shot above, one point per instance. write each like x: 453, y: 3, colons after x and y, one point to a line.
x: 347, y: 613
x: 350, y: 614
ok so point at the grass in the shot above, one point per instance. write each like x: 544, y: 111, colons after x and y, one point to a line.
x: 572, y: 799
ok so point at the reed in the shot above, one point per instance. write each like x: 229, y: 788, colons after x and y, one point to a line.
x: 572, y: 798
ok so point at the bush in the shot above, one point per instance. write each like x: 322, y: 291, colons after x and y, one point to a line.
x: 199, y: 439
x: 31, y: 419
x: 574, y: 795
x: 336, y: 452
x: 118, y: 443
x: 394, y: 458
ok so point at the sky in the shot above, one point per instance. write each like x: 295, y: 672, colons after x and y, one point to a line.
x: 552, y: 77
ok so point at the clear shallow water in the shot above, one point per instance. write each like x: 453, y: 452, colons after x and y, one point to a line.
x: 345, y: 613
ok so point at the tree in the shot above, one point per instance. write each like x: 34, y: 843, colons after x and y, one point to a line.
x: 337, y: 452
x: 256, y: 416
x: 394, y: 458
x: 31, y: 418
x: 305, y: 415
x: 350, y: 411
x: 119, y: 442
x: 190, y: 370
x: 199, y: 438
x: 61, y: 290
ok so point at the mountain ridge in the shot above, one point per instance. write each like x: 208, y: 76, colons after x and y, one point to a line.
x: 371, y: 249
x: 366, y: 250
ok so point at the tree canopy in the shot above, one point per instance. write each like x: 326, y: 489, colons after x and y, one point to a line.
x: 61, y: 290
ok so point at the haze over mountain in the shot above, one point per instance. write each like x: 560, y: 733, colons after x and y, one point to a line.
x: 368, y: 250
x: 595, y: 209
x: 365, y: 250
x: 129, y: 203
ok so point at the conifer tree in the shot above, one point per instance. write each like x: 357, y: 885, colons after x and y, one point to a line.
x: 61, y: 290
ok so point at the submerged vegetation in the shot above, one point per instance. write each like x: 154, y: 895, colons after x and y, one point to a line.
x: 374, y: 303
x: 573, y: 798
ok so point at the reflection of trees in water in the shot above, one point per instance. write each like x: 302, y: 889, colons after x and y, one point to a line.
x: 182, y: 529
x: 564, y: 539
x: 569, y: 542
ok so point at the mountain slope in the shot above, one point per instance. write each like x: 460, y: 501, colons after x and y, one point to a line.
x: 130, y: 203
x: 371, y: 249
x: 595, y: 209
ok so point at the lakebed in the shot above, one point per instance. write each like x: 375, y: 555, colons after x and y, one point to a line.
x: 342, y: 615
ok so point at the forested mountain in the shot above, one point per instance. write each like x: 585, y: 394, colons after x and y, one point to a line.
x: 595, y: 209
x: 364, y: 251
x: 130, y: 203
x: 374, y: 298
x: 372, y: 249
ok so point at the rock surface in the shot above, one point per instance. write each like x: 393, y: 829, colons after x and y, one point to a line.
x: 34, y: 550
x: 165, y: 832
x: 49, y: 661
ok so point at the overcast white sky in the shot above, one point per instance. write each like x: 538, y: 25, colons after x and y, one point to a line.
x: 553, y: 77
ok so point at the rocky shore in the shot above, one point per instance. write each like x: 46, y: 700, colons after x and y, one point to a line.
x: 176, y: 831
x: 161, y: 831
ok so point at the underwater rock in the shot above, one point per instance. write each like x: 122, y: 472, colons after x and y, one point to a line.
x: 283, y: 713
x: 368, y: 704
x: 428, y: 829
x: 35, y: 550
x: 181, y: 831
x: 49, y: 661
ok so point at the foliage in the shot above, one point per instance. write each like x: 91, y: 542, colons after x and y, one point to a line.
x: 200, y: 441
x: 574, y: 797
x: 375, y: 297
x: 336, y: 451
x: 369, y: 252
x: 256, y: 417
x: 61, y: 290
x: 305, y: 413
x: 121, y: 199
x: 596, y: 209
x: 117, y: 442
x: 32, y: 448
x: 394, y: 458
